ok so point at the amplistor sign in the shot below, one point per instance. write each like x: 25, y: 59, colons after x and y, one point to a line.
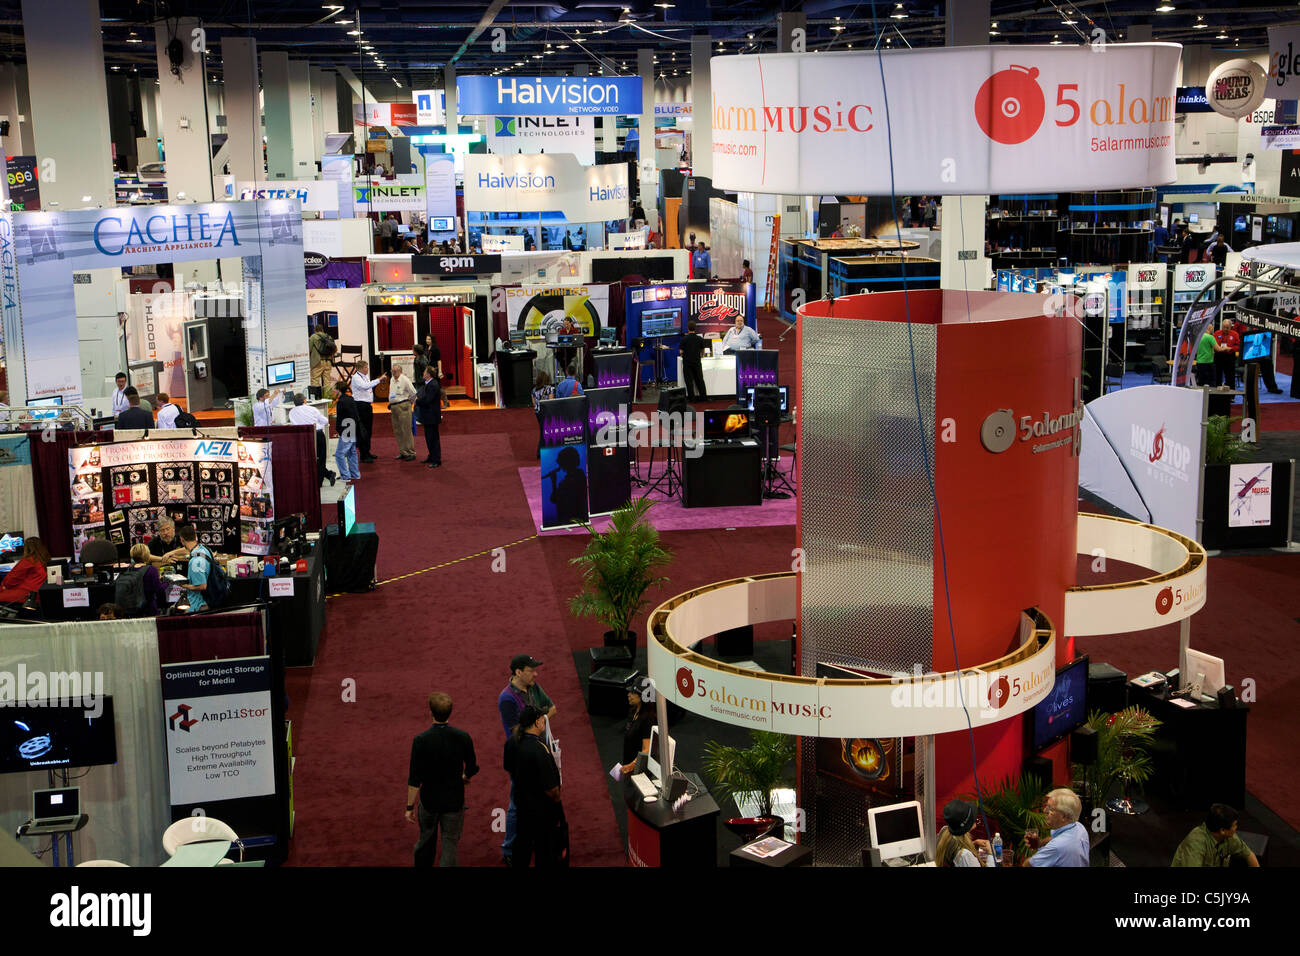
x: 962, y: 120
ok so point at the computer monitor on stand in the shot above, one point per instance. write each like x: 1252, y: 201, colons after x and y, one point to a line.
x: 766, y: 423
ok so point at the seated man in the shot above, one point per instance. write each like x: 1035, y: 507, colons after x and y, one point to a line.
x: 1215, y: 842
x: 739, y: 336
x: 165, y: 547
x: 1069, y: 844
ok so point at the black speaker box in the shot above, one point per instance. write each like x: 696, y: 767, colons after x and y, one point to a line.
x: 673, y: 400
x: 1107, y: 688
x: 1040, y: 767
x: 1083, y: 745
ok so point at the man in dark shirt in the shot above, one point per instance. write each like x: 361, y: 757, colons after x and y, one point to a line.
x: 165, y: 547
x: 692, y: 350
x: 535, y: 780
x: 134, y: 416
x: 442, y: 761
x: 520, y: 691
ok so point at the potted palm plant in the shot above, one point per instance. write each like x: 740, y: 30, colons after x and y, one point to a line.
x: 1122, y: 741
x: 738, y: 772
x: 618, y: 566
x: 1015, y: 805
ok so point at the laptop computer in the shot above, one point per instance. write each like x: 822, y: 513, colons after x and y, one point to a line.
x: 53, y: 808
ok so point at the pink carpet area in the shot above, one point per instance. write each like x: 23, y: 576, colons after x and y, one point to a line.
x: 669, y: 514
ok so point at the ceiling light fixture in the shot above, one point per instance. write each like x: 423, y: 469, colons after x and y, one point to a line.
x: 354, y: 33
x: 1165, y: 8
x: 899, y: 13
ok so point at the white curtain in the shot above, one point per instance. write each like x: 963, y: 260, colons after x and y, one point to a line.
x: 17, y: 493
x: 127, y: 802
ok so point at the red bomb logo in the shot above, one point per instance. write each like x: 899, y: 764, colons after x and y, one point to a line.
x: 1157, y: 446
x: 999, y: 693
x: 1164, y: 600
x: 1009, y: 106
x: 685, y: 682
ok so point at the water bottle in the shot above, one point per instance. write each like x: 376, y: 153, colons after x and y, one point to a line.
x: 997, y: 849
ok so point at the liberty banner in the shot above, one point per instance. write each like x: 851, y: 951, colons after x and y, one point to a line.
x: 223, y: 487
x: 954, y: 121
x: 564, y: 461
x: 219, y: 730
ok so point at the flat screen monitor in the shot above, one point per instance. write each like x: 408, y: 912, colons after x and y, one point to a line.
x: 724, y: 423
x: 608, y: 336
x: 1065, y: 708
x: 1193, y: 217
x: 61, y: 804
x: 442, y: 224
x: 348, y: 510
x: 652, y: 766
x: 1240, y: 224
x: 567, y: 341
x: 51, y: 403
x: 10, y: 542
x: 1205, y: 673
x: 657, y: 323
x: 518, y: 337
x: 1256, y: 345
x: 897, y: 829
x: 281, y: 373
x: 45, y: 735
x: 785, y: 397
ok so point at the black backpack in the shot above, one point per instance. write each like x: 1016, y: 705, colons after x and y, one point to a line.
x: 325, y: 346
x: 217, y: 590
x: 186, y: 420
x: 128, y: 590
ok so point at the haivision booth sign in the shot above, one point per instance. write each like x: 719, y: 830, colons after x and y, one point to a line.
x: 548, y: 95
x: 550, y: 182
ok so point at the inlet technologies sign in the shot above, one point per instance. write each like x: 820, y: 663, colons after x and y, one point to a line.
x: 548, y: 95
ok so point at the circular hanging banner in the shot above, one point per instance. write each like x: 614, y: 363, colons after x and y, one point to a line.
x: 1236, y: 88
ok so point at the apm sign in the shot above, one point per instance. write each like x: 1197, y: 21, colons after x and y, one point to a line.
x: 455, y: 265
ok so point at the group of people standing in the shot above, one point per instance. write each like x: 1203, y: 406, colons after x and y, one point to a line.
x: 415, y: 399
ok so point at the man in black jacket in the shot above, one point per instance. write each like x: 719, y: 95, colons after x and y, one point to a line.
x: 134, y: 416
x: 536, y: 780
x: 442, y: 762
x: 692, y: 349
x: 428, y: 403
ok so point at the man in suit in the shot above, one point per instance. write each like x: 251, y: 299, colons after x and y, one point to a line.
x: 134, y: 416
x: 428, y: 403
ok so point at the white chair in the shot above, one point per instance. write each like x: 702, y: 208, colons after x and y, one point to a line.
x: 197, y: 830
x: 102, y: 863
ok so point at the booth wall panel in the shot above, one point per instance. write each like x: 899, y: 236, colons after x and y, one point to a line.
x: 50, y: 478
x: 206, y: 638
x: 293, y: 468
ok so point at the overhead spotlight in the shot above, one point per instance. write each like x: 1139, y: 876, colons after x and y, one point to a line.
x: 354, y: 33
x: 1200, y: 24
x: 1068, y: 23
x: 837, y: 29
x: 133, y: 38
x: 1221, y: 36
x: 899, y: 13
x: 1165, y: 8
x: 994, y: 33
x: 1056, y: 39
x: 344, y: 23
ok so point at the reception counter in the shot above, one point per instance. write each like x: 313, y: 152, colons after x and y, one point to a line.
x: 719, y: 375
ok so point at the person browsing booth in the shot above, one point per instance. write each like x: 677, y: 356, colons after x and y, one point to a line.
x: 134, y: 416
x: 304, y: 414
x: 569, y: 386
x: 203, y: 572
x: 739, y: 336
x: 167, y: 411
x: 363, y: 393
x: 262, y: 407
x: 521, y: 691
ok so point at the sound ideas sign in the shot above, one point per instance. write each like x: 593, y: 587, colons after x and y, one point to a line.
x: 1001, y: 429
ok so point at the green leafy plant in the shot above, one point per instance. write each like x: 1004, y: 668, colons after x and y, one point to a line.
x: 1122, y: 741
x: 618, y: 567
x: 758, y: 769
x: 1016, y: 804
x: 1222, y: 447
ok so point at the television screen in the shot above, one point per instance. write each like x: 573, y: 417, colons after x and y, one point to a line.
x: 348, y: 511
x: 1257, y: 345
x: 1066, y: 707
x: 1240, y: 224
x: 43, y: 735
x: 1193, y: 217
x: 11, y: 541
x: 726, y: 423
x: 281, y: 373
x: 518, y: 337
x: 656, y: 323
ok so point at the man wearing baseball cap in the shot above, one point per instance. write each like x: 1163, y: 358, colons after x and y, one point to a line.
x: 535, y: 782
x: 521, y: 690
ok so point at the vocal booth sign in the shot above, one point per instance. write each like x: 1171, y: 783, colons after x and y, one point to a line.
x: 564, y: 461
x: 223, y: 487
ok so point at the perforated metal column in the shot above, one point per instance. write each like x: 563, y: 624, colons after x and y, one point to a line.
x: 867, y: 527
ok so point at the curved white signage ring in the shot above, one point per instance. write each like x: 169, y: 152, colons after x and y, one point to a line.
x: 901, y: 706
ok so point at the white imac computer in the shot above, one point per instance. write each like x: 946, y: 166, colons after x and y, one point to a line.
x: 897, y: 830
x: 652, y: 765
x: 1204, y: 675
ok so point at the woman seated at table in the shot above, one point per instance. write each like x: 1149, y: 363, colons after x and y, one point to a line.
x: 152, y: 592
x: 636, y: 729
x: 27, y: 576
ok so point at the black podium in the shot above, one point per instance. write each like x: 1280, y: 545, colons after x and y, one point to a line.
x: 723, y: 474
x: 515, y: 377
x: 350, y: 559
x: 658, y: 836
x: 1200, y: 751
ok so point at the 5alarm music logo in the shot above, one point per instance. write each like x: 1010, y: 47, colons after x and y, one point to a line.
x: 999, y: 693
x: 1164, y: 600
x: 685, y: 682
x: 1010, y: 105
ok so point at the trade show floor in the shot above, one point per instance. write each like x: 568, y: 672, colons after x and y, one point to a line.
x: 1134, y: 379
